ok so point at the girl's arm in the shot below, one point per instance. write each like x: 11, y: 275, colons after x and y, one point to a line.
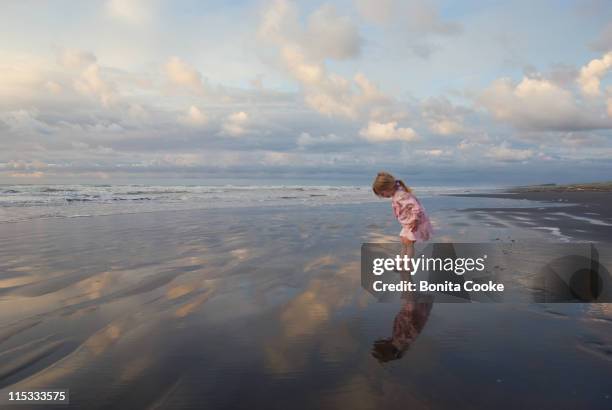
x: 409, y: 211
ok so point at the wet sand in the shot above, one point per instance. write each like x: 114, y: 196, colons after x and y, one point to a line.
x: 263, y: 308
x: 585, y: 215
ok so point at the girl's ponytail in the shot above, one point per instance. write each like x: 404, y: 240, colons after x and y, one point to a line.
x: 399, y: 181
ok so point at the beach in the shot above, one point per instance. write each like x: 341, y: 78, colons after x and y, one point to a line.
x: 585, y: 214
x: 262, y: 307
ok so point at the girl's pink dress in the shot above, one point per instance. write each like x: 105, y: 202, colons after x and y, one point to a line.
x: 407, y: 208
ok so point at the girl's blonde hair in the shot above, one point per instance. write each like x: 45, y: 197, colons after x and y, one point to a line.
x: 384, y: 181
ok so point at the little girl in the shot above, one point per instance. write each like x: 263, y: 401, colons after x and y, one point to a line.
x: 407, y: 209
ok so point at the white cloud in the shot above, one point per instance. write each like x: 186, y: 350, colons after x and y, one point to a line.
x: 433, y: 152
x: 26, y: 165
x: 423, y: 17
x: 331, y: 94
x: 235, y: 124
x: 35, y: 174
x: 21, y: 77
x: 592, y: 73
x: 332, y: 36
x: 442, y: 117
x: 539, y: 104
x: 306, y: 140
x: 181, y: 160
x: 505, y: 153
x: 542, y: 104
x: 276, y: 158
x: 102, y: 127
x: 131, y: 11
x: 76, y: 59
x: 336, y: 96
x: 127, y: 111
x: 182, y: 74
x: 418, y: 16
x: 376, y: 11
x: 382, y: 132
x: 418, y: 21
x: 303, y: 51
x: 581, y: 139
x: 137, y: 112
x: 194, y: 117
x: 24, y: 120
x: 325, y: 34
x: 446, y: 127
x: 53, y: 87
x: 91, y: 83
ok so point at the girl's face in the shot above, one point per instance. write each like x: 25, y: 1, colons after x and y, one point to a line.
x: 387, y: 193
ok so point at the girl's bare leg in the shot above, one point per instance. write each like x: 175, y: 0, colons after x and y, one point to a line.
x: 408, y: 249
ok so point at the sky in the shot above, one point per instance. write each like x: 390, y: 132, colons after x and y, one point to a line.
x: 437, y: 92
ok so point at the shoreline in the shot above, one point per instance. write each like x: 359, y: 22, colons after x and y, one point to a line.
x: 580, y: 211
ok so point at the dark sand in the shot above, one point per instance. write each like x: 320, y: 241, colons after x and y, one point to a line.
x: 263, y: 308
x: 585, y: 216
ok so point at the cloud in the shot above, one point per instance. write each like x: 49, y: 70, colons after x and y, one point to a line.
x: 194, y: 117
x: 378, y: 12
x: 564, y: 75
x: 538, y: 104
x: 417, y: 16
x: 235, y: 124
x: 383, y: 132
x: 92, y: 83
x: 20, y: 120
x: 436, y: 153
x: 325, y: 34
x: 591, y: 74
x: 35, y: 174
x: 442, y: 117
x: 329, y: 35
x: 53, y: 87
x: 76, y: 59
x: 306, y: 140
x: 422, y: 17
x: 105, y: 127
x: 303, y: 51
x: 137, y: 112
x: 21, y: 78
x: 581, y: 139
x: 131, y: 11
x: 181, y: 160
x: 337, y: 86
x: 276, y: 158
x: 83, y: 146
x: 334, y: 95
x: 414, y: 22
x: 506, y: 154
x: 183, y: 75
x: 26, y: 165
x: 551, y: 102
x: 446, y: 127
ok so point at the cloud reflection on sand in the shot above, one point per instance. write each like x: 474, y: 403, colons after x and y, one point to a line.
x: 305, y: 316
x: 188, y: 309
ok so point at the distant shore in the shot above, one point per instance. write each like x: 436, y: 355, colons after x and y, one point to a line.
x: 585, y: 187
x: 596, y: 194
x: 586, y: 213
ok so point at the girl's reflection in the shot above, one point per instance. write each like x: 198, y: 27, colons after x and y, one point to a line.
x: 408, y: 324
